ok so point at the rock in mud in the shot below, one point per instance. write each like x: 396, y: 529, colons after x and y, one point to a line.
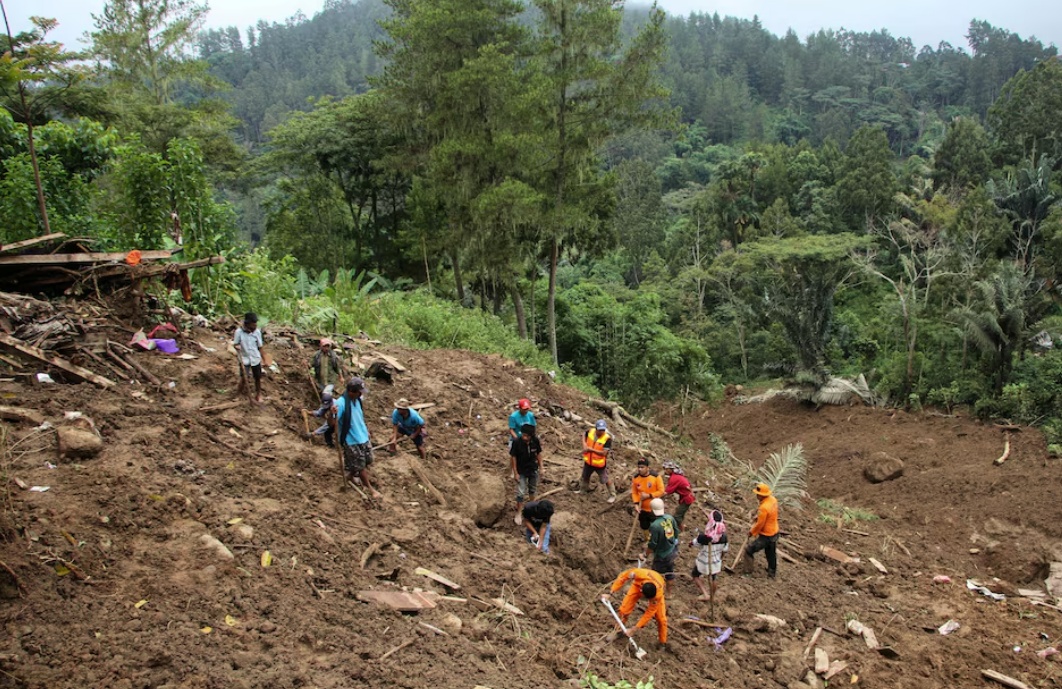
x: 75, y: 443
x: 216, y: 546
x: 883, y: 467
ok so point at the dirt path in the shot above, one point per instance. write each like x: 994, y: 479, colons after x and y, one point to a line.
x: 114, y: 587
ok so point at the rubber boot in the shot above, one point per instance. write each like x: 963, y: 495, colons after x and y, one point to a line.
x: 611, y: 494
x: 584, y: 487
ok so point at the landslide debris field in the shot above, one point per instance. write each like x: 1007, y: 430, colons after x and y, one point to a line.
x: 110, y: 577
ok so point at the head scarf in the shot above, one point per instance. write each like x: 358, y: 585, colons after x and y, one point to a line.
x: 716, y: 527
x: 673, y: 467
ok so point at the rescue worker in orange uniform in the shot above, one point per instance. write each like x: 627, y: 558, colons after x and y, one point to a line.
x: 597, y: 447
x: 645, y: 583
x: 645, y: 487
x: 765, y: 531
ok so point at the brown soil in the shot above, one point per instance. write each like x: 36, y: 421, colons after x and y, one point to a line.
x: 110, y: 586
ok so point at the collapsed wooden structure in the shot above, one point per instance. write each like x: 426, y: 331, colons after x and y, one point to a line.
x: 55, y: 263
x: 79, y: 341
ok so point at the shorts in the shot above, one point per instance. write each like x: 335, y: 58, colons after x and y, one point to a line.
x: 417, y: 435
x: 526, y: 485
x: 588, y: 471
x: 709, y: 560
x: 255, y: 371
x: 665, y: 565
x: 645, y: 519
x: 357, y: 458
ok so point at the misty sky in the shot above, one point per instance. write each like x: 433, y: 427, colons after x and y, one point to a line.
x: 924, y: 21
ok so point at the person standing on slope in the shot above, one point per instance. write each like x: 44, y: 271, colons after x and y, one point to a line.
x: 663, y: 542
x: 644, y: 488
x: 354, y: 435
x: 523, y: 416
x: 676, y: 483
x: 248, y: 343
x: 765, y: 531
x: 525, y: 458
x: 597, y: 448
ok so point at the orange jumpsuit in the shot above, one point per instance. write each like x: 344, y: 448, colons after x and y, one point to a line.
x: 656, y: 607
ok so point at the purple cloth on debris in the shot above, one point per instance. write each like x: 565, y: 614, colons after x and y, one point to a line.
x: 722, y: 638
x: 166, y: 346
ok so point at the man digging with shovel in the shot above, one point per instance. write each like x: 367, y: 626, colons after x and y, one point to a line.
x: 645, y: 583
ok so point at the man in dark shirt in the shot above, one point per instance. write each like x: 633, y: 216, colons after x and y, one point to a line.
x: 536, y: 516
x: 525, y: 457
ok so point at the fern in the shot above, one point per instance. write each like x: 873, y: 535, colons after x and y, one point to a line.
x: 786, y: 474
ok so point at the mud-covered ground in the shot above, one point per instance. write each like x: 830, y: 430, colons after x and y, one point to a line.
x: 106, y: 581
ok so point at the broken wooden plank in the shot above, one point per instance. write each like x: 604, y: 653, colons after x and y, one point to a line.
x: 814, y: 640
x: 223, y: 406
x: 878, y: 566
x: 822, y: 662
x: 433, y: 628
x: 508, y: 607
x: 835, y: 667
x: 147, y: 375
x: 20, y: 414
x: 437, y: 578
x: 1004, y: 680
x: 1031, y: 593
x: 57, y: 362
x: 422, y: 476
x: 422, y: 405
x: 837, y: 555
x: 1045, y: 605
x: 391, y: 361
x: 397, y: 648
x: 67, y: 259
x: 402, y: 601
x: 27, y: 243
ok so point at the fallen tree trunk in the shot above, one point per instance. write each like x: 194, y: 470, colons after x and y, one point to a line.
x: 619, y: 414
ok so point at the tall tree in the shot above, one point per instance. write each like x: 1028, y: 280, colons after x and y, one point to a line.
x: 1025, y: 119
x: 867, y: 182
x: 590, y: 89
x: 962, y: 160
x: 143, y: 51
x: 453, y: 82
x: 36, y: 75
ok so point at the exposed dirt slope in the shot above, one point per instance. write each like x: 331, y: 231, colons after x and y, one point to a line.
x: 131, y: 521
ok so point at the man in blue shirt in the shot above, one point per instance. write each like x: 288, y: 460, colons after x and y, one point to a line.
x: 523, y: 416
x: 354, y: 435
x: 409, y: 423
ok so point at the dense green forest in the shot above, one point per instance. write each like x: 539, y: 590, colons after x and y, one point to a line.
x: 652, y: 205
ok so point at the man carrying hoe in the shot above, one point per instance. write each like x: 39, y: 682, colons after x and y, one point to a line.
x: 354, y: 435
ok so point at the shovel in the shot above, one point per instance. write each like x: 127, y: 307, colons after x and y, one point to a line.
x: 639, y: 652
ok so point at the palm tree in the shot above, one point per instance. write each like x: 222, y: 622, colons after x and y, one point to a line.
x: 997, y: 324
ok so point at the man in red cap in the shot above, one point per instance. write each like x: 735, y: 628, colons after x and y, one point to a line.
x: 765, y: 531
x: 523, y: 416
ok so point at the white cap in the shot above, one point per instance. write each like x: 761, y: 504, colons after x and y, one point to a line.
x: 657, y: 506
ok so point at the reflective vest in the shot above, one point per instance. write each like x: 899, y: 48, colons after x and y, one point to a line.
x: 594, y: 453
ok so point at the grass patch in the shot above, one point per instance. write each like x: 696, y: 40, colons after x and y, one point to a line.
x: 838, y: 514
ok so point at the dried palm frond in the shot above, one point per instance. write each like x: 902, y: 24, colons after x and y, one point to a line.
x: 837, y: 391
x: 786, y: 473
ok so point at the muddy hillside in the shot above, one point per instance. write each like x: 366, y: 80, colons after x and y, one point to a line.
x: 170, y: 534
